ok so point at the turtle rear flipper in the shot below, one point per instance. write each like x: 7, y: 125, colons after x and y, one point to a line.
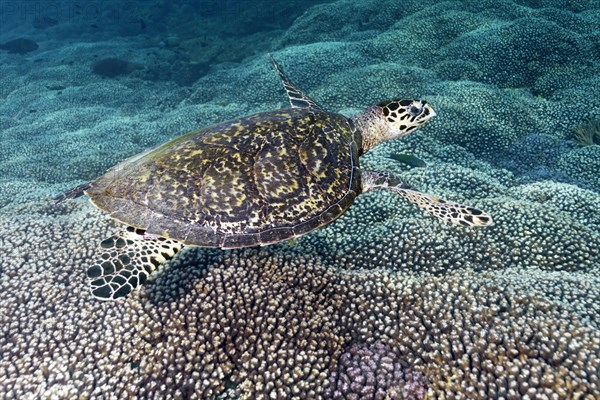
x: 72, y: 193
x: 127, y: 260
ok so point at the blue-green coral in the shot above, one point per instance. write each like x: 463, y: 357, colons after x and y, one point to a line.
x: 509, y: 311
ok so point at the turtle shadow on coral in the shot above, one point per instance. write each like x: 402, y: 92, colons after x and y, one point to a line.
x: 191, y: 267
x: 179, y: 276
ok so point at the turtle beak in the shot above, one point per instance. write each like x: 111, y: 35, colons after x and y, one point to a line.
x: 427, y: 113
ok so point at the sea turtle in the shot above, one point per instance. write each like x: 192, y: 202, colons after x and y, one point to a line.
x: 251, y: 181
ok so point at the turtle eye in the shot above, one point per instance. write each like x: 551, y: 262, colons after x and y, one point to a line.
x: 416, y: 108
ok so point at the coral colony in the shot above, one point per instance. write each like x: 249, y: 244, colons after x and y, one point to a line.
x: 384, y: 303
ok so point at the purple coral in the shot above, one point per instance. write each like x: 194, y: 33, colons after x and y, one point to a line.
x: 374, y: 371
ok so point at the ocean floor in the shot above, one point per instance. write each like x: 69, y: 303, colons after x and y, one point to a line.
x: 386, y: 302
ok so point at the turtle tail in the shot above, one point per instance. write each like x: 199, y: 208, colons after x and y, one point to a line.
x: 127, y: 260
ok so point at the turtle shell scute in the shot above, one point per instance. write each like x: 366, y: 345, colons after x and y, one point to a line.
x: 252, y: 181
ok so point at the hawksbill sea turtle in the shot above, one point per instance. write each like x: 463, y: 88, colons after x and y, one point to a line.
x: 256, y: 180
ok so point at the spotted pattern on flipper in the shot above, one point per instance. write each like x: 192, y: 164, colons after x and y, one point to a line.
x: 127, y: 260
x: 448, y: 211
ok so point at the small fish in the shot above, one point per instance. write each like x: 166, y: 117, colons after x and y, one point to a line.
x: 408, y: 159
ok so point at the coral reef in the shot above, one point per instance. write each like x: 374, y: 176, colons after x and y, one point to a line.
x: 43, y: 22
x: 582, y: 164
x: 19, y: 46
x: 385, y: 292
x: 503, y: 312
x: 374, y: 372
x: 112, y: 67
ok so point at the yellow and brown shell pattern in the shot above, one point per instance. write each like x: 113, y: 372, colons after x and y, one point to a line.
x: 252, y: 181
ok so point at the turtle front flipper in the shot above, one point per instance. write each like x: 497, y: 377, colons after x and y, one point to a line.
x: 127, y: 260
x: 448, y: 211
x: 297, y: 98
x: 72, y: 193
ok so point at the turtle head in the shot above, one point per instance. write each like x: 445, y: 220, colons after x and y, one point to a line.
x: 391, y: 119
x: 404, y: 116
